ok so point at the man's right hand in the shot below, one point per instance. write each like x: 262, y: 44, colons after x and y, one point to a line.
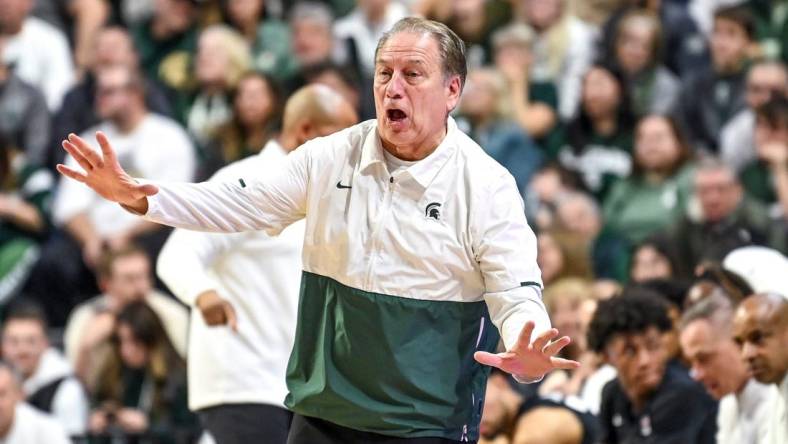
x: 215, y: 310
x: 104, y: 174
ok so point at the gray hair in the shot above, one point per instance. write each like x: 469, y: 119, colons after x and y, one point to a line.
x: 314, y: 11
x: 715, y: 308
x: 451, y: 47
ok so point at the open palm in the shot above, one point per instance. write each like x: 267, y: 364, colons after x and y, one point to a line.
x: 103, y: 173
x: 530, y: 360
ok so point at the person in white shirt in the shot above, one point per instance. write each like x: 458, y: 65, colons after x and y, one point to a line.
x: 38, y: 51
x: 364, y: 25
x: 707, y: 343
x: 19, y: 422
x: 760, y: 328
x: 416, y: 243
x: 148, y: 144
x: 125, y: 277
x: 250, y: 281
x: 49, y: 383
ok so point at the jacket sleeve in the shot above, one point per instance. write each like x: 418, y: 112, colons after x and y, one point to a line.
x: 505, y: 249
x: 245, y: 203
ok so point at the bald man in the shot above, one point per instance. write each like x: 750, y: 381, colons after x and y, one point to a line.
x: 245, y: 287
x: 760, y: 327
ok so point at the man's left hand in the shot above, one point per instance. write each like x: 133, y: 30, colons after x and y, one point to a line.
x: 530, y: 360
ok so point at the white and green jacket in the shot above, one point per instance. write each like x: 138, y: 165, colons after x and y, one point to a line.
x: 404, y: 275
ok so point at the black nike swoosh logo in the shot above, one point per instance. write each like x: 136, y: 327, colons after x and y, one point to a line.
x: 343, y: 187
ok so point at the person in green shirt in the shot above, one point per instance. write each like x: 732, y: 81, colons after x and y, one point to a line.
x: 656, y: 193
x: 597, y: 144
x: 268, y: 37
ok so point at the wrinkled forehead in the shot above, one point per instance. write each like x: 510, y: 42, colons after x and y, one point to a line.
x: 409, y: 48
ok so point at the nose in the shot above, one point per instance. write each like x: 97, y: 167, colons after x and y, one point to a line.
x: 395, y: 86
x: 748, y: 351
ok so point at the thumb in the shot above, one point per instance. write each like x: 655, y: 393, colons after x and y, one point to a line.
x: 486, y: 358
x: 232, y: 318
x: 148, y: 189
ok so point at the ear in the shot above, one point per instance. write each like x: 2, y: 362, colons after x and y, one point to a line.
x: 453, y: 91
x: 304, y: 131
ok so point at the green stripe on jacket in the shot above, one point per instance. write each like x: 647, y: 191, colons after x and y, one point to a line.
x: 386, y: 364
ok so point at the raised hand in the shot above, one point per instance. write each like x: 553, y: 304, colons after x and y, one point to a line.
x: 104, y: 174
x: 530, y: 360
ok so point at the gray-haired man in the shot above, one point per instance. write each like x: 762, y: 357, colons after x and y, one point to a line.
x: 415, y: 242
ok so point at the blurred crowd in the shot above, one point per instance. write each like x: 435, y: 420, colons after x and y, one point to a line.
x: 649, y: 139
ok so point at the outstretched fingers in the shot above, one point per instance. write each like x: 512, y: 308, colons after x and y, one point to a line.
x: 87, y: 152
x: 77, y: 155
x: 543, y: 339
x: 565, y: 364
x: 106, y: 148
x: 486, y: 358
x: 72, y: 173
x: 556, y: 346
x: 525, y: 336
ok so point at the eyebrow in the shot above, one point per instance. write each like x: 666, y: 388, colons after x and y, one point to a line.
x: 407, y: 62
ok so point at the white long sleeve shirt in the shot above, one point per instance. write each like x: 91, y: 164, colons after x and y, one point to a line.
x: 402, y: 272
x: 158, y: 148
x: 260, y: 276
x: 41, y: 56
x: 743, y: 417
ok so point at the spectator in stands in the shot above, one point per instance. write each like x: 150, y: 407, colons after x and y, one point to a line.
x: 25, y: 199
x: 233, y: 279
x: 570, y: 304
x: 267, y: 36
x: 534, y: 104
x: 641, y: 404
x: 125, y: 277
x: 112, y: 46
x: 765, y: 79
x: 511, y: 417
x: 26, y: 120
x: 771, y: 26
x: 484, y: 105
x: 562, y: 254
x: 728, y: 219
x: 361, y: 29
x: 255, y: 119
x: 346, y: 82
x: 19, y: 422
x: 653, y: 258
x: 48, y: 380
x: 548, y: 184
x: 707, y: 343
x: 475, y: 21
x: 579, y: 213
x: 311, y: 28
x: 653, y: 89
x: 704, y: 115
x: 563, y: 49
x: 149, y: 144
x: 166, y: 43
x: 598, y: 142
x: 222, y: 58
x: 760, y: 328
x: 38, y: 52
x: 657, y: 192
x: 683, y: 46
x: 141, y: 389
x: 767, y: 177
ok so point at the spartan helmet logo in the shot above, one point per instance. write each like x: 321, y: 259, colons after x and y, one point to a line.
x: 433, y: 211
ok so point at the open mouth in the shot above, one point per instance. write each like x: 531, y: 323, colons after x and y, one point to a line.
x: 396, y: 115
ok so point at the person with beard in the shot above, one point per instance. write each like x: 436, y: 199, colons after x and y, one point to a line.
x: 124, y: 277
x: 760, y: 328
x: 641, y: 405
